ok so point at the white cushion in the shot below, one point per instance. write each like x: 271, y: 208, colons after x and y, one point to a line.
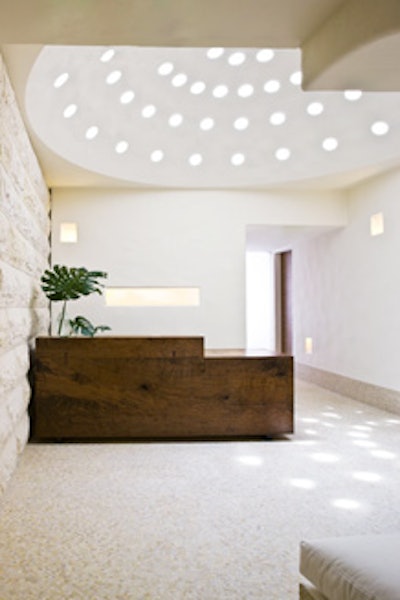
x: 353, y: 568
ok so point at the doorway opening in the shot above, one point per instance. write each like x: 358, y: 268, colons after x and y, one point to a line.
x: 268, y: 300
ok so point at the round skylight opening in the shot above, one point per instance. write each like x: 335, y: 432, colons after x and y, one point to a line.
x: 236, y: 59
x: 70, y: 110
x: 207, y: 123
x: 107, y: 55
x: 282, y: 154
x: 277, y: 118
x: 246, y: 90
x: 272, y: 86
x: 296, y: 78
x: 157, y: 156
x: 179, y: 80
x: 197, y: 87
x: 237, y: 159
x: 241, y: 123
x: 195, y: 159
x: 61, y: 80
x: 175, y: 120
x: 380, y: 128
x: 265, y: 55
x: 148, y: 111
x: 213, y: 53
x: 121, y: 147
x: 127, y: 97
x: 329, y: 144
x: 113, y: 77
x: 352, y: 95
x: 220, y: 91
x: 91, y: 132
x: 315, y: 108
x: 165, y: 68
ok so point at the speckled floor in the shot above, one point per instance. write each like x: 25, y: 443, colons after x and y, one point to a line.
x: 197, y: 521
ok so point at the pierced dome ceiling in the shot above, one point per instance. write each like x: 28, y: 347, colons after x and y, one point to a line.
x: 205, y: 117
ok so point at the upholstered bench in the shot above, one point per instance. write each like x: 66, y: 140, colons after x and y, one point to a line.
x: 363, y: 567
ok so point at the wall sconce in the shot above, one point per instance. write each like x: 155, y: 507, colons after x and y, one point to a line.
x: 376, y: 224
x: 68, y: 233
x: 308, y: 345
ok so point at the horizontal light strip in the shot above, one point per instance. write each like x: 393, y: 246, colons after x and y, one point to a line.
x: 152, y: 296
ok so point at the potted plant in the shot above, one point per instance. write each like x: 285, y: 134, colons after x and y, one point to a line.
x: 62, y: 284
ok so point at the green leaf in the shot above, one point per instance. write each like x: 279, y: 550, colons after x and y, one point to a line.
x: 81, y: 325
x: 63, y: 283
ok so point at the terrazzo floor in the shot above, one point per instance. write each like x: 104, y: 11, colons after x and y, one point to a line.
x: 197, y: 521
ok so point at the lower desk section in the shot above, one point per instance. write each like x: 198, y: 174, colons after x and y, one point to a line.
x: 156, y: 388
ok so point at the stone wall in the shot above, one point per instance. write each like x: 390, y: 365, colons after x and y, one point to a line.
x: 24, y: 252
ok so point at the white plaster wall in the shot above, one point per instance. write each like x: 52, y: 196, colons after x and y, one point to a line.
x: 24, y: 251
x: 176, y: 238
x: 347, y: 290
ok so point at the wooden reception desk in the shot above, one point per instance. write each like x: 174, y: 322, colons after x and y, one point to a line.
x: 137, y: 388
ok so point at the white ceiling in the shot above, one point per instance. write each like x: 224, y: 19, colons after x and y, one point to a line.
x: 180, y: 33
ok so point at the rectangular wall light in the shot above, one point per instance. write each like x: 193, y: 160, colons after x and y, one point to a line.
x: 308, y: 345
x: 152, y: 296
x: 376, y: 224
x: 68, y: 233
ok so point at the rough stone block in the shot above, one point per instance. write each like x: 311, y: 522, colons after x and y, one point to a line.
x: 17, y: 401
x: 17, y: 289
x: 18, y: 252
x: 14, y: 366
x: 8, y: 460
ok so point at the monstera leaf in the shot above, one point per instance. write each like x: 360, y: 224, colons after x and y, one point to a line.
x: 62, y: 283
x: 83, y: 326
x: 70, y: 283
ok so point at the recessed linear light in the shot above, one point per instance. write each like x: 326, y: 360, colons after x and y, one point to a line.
x: 127, y: 97
x: 296, y: 78
x: 91, y: 132
x: 352, y: 95
x: 246, y: 90
x: 214, y: 53
x: 272, y: 86
x: 315, y: 108
x: 61, y: 80
x: 152, y: 296
x: 329, y: 144
x: 107, y: 55
x: 70, y: 110
x: 149, y: 111
x: 121, y: 147
x: 195, y: 160
x: 113, y: 77
x: 277, y: 118
x: 380, y: 128
x: 157, y: 156
x: 282, y: 153
x: 237, y: 159
x: 241, y: 123
x: 197, y: 87
x: 165, y: 69
x: 236, y: 59
x: 220, y: 91
x: 265, y: 55
x: 207, y: 123
x: 175, y: 120
x: 179, y: 80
